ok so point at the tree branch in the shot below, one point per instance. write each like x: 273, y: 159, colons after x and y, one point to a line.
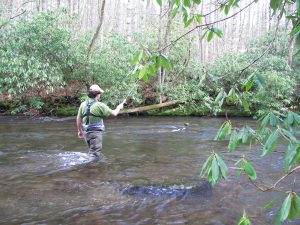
x: 205, y: 25
x: 277, y: 182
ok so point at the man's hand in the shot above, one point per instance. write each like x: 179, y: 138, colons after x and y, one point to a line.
x: 116, y: 111
x: 80, y: 134
x: 121, y: 106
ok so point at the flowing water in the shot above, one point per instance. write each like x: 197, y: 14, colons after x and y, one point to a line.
x: 45, y: 177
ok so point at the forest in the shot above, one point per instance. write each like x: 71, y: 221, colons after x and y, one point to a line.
x: 56, y: 60
x: 231, y: 58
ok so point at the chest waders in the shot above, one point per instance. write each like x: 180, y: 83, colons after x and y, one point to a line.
x: 99, y: 126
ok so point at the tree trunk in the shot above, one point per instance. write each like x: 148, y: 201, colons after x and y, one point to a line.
x: 159, y: 75
x: 150, y: 107
x: 101, y: 18
x: 166, y: 41
x: 291, y: 51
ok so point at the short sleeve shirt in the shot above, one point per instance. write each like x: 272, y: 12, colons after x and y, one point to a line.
x: 99, y: 109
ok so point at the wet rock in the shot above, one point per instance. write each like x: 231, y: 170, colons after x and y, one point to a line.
x: 201, y: 188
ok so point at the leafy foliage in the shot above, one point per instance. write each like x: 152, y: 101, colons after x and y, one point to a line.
x: 214, y: 168
x: 34, y: 53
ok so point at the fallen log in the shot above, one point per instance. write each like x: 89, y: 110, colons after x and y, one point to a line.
x: 150, y: 107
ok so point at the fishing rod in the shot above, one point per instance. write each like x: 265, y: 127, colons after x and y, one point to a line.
x: 130, y: 92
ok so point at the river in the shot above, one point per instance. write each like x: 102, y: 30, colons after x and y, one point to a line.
x: 45, y: 178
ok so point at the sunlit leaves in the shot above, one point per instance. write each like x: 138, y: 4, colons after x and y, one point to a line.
x: 244, y: 220
x: 198, y: 18
x: 159, y: 2
x: 197, y: 1
x: 271, y: 143
x: 148, y: 64
x: 292, y: 121
x: 212, y: 32
x: 214, y: 168
x: 210, y: 35
x: 275, y: 4
x: 220, y: 98
x: 187, y: 3
x: 228, y: 5
x: 269, y: 119
x: 232, y: 97
x: 247, y: 167
x: 224, y: 131
x: 290, y: 208
x: 292, y: 155
x: 35, y: 53
x: 234, y: 141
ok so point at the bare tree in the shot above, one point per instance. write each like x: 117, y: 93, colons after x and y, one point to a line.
x: 101, y: 18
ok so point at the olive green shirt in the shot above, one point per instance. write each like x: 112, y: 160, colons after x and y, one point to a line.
x: 98, y: 109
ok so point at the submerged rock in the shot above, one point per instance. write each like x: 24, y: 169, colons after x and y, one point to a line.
x: 201, y: 188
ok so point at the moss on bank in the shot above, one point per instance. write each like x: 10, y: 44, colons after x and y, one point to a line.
x: 66, y: 111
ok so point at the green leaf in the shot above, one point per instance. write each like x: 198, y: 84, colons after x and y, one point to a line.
x: 295, y: 207
x: 245, y: 105
x: 244, y: 220
x: 197, y: 1
x: 224, y: 130
x: 270, y: 204
x: 187, y: 3
x: 217, y: 31
x: 296, y: 117
x: 152, y: 71
x: 223, y: 167
x: 215, y: 171
x: 271, y: 143
x: 291, y: 155
x: 175, y: 11
x: 206, y: 165
x: 210, y: 36
x: 248, y: 85
x: 199, y: 18
x: 295, y: 31
x: 187, y: 22
x: 220, y: 98
x: 285, y: 208
x: 159, y: 2
x: 275, y: 5
x: 137, y: 57
x: 265, y: 121
x: 290, y: 118
x: 234, y: 141
x: 142, y: 72
x: 165, y: 62
x: 288, y: 135
x: 250, y: 171
x: 145, y: 78
x: 227, y: 9
x: 273, y: 120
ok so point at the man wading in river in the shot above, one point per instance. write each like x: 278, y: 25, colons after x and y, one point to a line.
x: 90, y: 123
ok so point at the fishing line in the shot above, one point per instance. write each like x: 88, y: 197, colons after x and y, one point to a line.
x: 129, y: 93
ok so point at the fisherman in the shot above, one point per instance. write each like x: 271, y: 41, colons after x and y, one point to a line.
x: 90, y: 123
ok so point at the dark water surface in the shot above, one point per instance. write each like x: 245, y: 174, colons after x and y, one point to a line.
x: 45, y: 178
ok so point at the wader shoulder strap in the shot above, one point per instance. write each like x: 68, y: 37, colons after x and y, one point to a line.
x: 88, y: 111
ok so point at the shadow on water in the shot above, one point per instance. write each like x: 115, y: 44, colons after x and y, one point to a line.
x: 150, y: 176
